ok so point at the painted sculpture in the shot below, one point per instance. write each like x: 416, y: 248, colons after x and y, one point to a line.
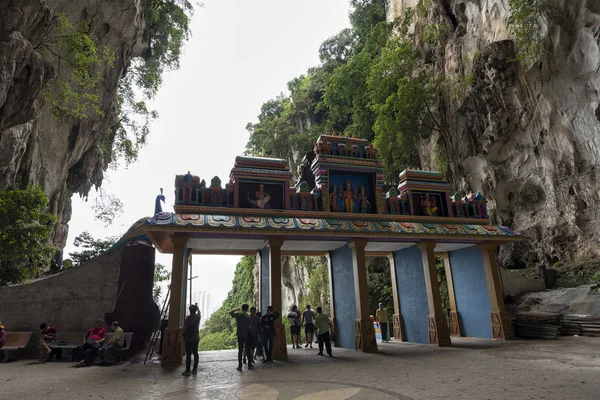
x: 157, y: 205
x: 261, y: 199
x: 428, y: 205
x: 348, y: 198
x: 457, y: 205
x: 333, y: 199
x: 363, y: 200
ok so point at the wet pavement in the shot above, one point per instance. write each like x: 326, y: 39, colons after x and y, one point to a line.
x: 470, y: 369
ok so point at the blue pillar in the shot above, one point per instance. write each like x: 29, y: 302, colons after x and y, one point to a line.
x: 265, y: 280
x: 471, y: 292
x: 412, y: 294
x: 343, y: 296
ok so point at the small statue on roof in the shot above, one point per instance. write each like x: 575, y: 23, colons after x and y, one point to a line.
x: 157, y: 205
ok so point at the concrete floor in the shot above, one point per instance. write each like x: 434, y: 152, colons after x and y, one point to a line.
x: 568, y: 368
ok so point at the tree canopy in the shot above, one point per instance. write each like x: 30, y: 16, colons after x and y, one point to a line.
x: 25, y: 226
x: 370, y: 84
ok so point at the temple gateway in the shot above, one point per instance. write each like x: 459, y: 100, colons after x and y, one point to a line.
x: 344, y: 211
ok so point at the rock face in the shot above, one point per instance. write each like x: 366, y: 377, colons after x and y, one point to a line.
x: 63, y: 156
x: 524, y: 133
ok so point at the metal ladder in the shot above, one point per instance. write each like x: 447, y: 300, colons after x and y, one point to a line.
x: 156, y: 335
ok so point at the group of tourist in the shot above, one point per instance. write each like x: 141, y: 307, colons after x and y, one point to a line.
x: 95, y: 341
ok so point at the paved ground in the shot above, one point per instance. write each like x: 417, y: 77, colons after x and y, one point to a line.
x: 568, y: 368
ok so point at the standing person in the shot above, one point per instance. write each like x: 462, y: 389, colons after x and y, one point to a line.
x: 243, y: 327
x: 191, y: 338
x: 108, y: 354
x: 294, y: 319
x: 381, y: 317
x: 259, y: 340
x: 308, y: 317
x: 91, y: 343
x: 268, y: 326
x: 47, y: 335
x: 252, y: 341
x: 323, y: 325
x: 2, y: 335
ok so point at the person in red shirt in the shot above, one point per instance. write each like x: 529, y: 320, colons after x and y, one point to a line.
x: 47, y: 335
x: 91, y: 343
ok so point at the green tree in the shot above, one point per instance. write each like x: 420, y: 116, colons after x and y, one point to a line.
x: 90, y: 248
x: 25, y: 226
x: 219, y: 330
x: 317, y: 288
x: 525, y: 22
x: 73, y: 92
x: 160, y: 275
x: 402, y: 99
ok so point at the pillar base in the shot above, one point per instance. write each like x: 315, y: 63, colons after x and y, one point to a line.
x: 398, y: 328
x: 172, y: 352
x: 280, y: 344
x: 454, y: 324
x: 364, y: 336
x: 438, y: 330
x: 502, y: 326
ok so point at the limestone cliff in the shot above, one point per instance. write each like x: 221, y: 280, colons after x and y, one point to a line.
x: 61, y: 155
x: 524, y: 133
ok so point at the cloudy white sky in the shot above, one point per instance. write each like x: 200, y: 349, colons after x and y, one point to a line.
x: 241, y: 54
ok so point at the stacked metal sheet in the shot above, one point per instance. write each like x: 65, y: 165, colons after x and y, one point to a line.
x: 538, y: 325
x: 579, y: 324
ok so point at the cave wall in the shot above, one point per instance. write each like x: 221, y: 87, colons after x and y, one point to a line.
x: 524, y: 133
x: 62, y: 155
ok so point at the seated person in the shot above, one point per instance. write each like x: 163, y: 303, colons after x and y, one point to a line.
x: 108, y: 354
x: 47, y: 335
x: 91, y: 343
x: 2, y: 335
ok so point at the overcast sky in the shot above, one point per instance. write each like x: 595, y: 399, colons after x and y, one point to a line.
x: 241, y: 54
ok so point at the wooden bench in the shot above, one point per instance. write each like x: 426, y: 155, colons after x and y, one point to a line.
x: 72, y: 340
x: 14, y: 342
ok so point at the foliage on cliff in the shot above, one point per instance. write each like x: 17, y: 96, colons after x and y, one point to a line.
x: 25, y: 225
x: 368, y: 85
x: 219, y: 330
x: 82, y: 61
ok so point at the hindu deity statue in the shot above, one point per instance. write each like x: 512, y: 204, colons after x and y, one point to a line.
x: 261, y: 199
x: 428, y: 204
x: 457, y: 205
x: 363, y: 200
x: 348, y: 197
x: 333, y: 198
x: 480, y: 204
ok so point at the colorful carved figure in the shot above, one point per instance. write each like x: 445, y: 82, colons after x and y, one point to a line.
x: 457, y: 205
x: 363, y: 200
x: 348, y: 197
x: 324, y: 147
x: 333, y: 200
x: 371, y: 152
x: 261, y: 199
x: 157, y: 205
x: 428, y: 204
x: 470, y: 205
x: 480, y: 204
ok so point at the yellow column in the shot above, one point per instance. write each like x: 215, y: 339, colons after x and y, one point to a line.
x: 279, y: 346
x: 436, y: 320
x: 501, y: 324
x: 454, y: 325
x: 173, y: 344
x: 364, y: 332
x: 397, y: 314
